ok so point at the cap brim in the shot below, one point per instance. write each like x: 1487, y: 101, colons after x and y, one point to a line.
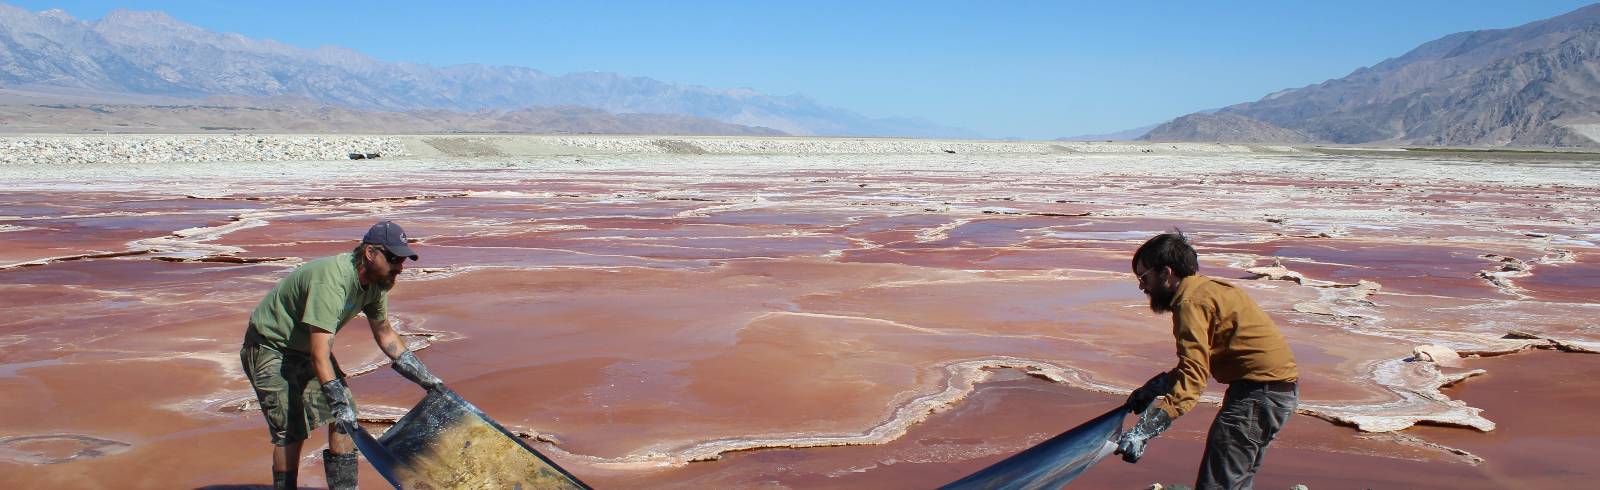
x: 402, y: 250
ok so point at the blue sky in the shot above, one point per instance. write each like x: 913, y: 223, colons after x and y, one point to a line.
x: 1005, y: 69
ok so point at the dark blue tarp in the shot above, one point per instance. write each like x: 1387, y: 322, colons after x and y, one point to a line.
x: 1053, y: 463
x: 375, y: 453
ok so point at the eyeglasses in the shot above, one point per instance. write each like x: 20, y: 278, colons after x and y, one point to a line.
x: 1146, y: 273
x: 391, y: 258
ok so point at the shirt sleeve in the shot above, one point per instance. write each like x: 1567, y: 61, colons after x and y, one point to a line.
x: 324, y: 306
x: 378, y: 308
x: 1191, y: 327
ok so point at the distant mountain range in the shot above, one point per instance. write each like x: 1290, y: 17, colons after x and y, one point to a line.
x: 1124, y: 135
x: 270, y: 116
x: 130, y: 53
x: 1535, y: 85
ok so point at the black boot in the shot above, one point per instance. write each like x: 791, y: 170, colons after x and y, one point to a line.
x: 341, y: 470
x: 284, y: 480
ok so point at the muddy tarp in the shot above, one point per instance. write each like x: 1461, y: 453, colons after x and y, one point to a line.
x: 446, y: 442
x: 1052, y: 463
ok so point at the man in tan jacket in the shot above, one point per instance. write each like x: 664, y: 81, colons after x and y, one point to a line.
x: 1220, y: 333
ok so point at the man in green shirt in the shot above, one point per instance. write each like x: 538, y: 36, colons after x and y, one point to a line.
x: 288, y: 350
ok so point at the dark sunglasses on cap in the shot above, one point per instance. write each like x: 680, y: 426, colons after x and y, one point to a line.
x: 391, y: 258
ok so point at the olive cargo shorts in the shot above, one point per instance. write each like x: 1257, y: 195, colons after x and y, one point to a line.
x: 286, y: 384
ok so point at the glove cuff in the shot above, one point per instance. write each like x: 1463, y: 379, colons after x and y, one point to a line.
x: 336, y: 391
x: 1153, y: 421
x: 412, y: 369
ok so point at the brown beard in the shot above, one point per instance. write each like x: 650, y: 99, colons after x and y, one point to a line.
x: 1161, y: 299
x: 383, y: 281
x: 386, y: 282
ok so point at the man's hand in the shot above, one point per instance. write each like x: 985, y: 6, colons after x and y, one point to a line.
x: 344, y: 413
x: 1141, y: 397
x: 409, y: 366
x: 1152, y: 422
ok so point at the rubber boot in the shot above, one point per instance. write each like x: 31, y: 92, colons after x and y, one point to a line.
x: 341, y: 470
x: 284, y: 480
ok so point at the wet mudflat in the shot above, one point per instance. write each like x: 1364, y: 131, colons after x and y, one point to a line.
x: 847, y: 321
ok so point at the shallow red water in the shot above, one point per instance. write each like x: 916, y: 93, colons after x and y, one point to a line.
x: 641, y: 316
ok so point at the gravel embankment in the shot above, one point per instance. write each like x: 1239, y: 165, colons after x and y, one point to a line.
x: 113, y: 149
x: 825, y: 146
x: 49, y: 150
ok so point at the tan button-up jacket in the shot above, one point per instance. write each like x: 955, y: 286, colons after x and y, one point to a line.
x: 1222, y: 333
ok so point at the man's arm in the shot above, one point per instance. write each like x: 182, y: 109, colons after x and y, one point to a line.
x: 344, y: 414
x: 1191, y: 329
x: 1191, y: 326
x: 405, y: 362
x: 321, y: 353
x: 386, y: 337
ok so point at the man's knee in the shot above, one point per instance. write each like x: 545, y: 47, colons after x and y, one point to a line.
x: 287, y: 439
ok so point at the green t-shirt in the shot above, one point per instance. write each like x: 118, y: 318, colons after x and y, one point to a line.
x: 323, y: 293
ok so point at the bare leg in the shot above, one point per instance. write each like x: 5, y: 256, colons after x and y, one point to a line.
x: 287, y: 457
x: 339, y: 461
x: 286, y: 460
x: 339, y: 443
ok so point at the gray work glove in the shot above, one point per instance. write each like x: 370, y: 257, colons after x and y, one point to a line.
x: 1141, y: 398
x: 344, y: 413
x: 1152, y: 422
x: 409, y: 366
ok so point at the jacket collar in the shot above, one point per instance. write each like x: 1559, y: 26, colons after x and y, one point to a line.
x: 1187, y: 285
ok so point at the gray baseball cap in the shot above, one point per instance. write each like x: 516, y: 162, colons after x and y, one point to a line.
x: 389, y: 235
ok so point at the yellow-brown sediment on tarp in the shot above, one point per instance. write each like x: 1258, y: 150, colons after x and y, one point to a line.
x: 470, y: 453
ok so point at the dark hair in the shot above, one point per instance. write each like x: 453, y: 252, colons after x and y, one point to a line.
x: 1169, y: 249
x: 360, y: 253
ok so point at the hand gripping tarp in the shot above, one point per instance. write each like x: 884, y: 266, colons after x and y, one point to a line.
x: 1052, y: 463
x: 446, y: 442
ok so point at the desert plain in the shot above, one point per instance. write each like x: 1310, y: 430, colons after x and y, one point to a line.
x: 679, y: 312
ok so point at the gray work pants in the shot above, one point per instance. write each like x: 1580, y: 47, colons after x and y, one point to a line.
x: 1251, y: 415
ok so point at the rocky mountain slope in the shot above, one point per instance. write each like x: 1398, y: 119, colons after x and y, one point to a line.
x: 150, y: 53
x: 1227, y: 127
x: 1533, y: 85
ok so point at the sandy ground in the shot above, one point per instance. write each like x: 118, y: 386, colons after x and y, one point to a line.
x: 812, y: 313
